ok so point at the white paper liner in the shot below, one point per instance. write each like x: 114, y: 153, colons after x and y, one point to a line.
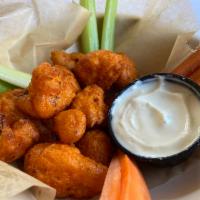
x: 31, y: 29
x: 14, y: 182
x: 185, y: 45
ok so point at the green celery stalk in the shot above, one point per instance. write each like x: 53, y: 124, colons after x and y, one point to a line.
x: 14, y: 77
x: 5, y: 86
x: 89, y: 37
x: 107, y: 40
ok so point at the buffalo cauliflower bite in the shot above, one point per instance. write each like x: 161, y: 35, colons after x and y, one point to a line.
x: 128, y: 73
x: 102, y: 67
x: 70, y: 125
x: 66, y: 169
x: 17, y: 134
x: 91, y: 102
x: 52, y: 88
x: 63, y: 58
x: 99, y: 67
x: 8, y: 105
x: 16, y: 138
x: 46, y: 133
x: 96, y: 145
x: 23, y: 102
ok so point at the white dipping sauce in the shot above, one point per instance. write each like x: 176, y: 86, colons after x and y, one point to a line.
x: 156, y: 119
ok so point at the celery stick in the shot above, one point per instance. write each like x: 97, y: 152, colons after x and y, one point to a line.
x: 89, y: 37
x: 5, y: 86
x: 107, y: 40
x: 14, y: 77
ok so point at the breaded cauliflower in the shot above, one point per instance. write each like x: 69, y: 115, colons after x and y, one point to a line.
x: 99, y: 67
x: 66, y: 169
x: 8, y: 105
x: 63, y: 58
x: 46, y: 133
x: 24, y: 104
x: 91, y: 102
x: 128, y: 73
x: 96, y: 145
x: 70, y: 125
x: 52, y: 88
x: 16, y: 139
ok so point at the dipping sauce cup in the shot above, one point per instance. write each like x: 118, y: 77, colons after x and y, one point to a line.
x: 157, y: 118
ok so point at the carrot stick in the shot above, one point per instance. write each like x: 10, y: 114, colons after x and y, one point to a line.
x: 133, y: 185
x: 124, y: 181
x: 111, y: 188
x: 190, y: 65
x: 195, y: 76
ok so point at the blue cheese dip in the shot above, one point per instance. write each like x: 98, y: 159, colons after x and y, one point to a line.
x: 156, y: 118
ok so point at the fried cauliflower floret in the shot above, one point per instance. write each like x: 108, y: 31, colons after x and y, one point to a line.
x: 96, y: 145
x: 8, y: 105
x: 24, y: 104
x: 128, y: 73
x: 16, y: 139
x: 91, y: 102
x: 52, y: 88
x: 66, y: 169
x: 46, y: 133
x: 63, y: 58
x: 99, y: 67
x: 70, y: 125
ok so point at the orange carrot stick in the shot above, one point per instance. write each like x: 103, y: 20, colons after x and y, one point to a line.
x: 124, y: 181
x: 195, y: 76
x: 111, y: 188
x: 133, y: 185
x: 191, y: 64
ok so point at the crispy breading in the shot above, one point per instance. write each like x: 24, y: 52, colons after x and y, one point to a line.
x: 46, y: 133
x: 66, y: 169
x: 99, y: 67
x: 18, y: 131
x: 91, y: 102
x: 70, y: 125
x: 51, y: 90
x: 128, y: 73
x: 8, y: 105
x: 16, y: 139
x: 63, y: 58
x: 24, y: 104
x: 96, y: 145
